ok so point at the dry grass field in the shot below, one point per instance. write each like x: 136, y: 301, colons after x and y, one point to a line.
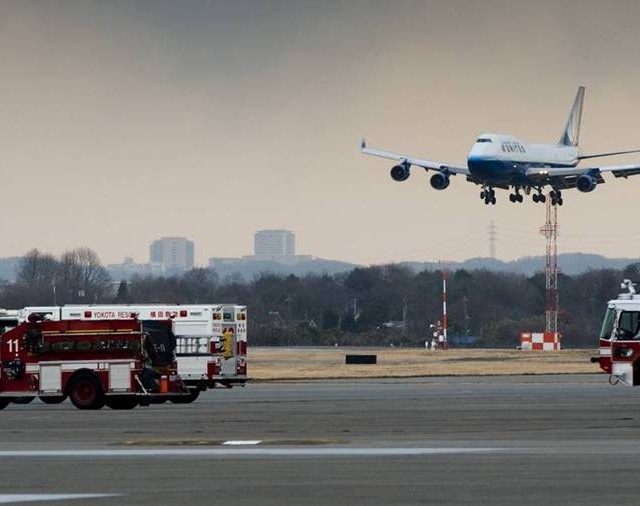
x: 326, y: 363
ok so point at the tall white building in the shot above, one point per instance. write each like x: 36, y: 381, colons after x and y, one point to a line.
x: 175, y: 254
x: 277, y: 245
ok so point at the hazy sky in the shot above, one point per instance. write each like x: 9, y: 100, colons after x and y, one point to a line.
x: 122, y: 122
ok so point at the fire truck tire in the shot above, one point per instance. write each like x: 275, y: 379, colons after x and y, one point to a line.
x: 121, y: 401
x: 187, y: 399
x: 4, y: 402
x: 22, y: 400
x: 86, y: 392
x: 53, y: 399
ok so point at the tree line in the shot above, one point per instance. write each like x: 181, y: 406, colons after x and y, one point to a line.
x: 378, y: 305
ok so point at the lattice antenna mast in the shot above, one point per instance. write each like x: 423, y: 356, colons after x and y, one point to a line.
x: 550, y: 232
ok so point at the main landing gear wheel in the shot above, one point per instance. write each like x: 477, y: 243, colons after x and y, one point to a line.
x: 515, y: 197
x: 86, y: 392
x: 539, y: 197
x: 556, y: 197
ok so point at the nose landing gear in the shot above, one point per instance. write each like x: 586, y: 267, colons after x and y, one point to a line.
x: 488, y: 194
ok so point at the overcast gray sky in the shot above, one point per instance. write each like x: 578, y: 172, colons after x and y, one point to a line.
x: 122, y: 122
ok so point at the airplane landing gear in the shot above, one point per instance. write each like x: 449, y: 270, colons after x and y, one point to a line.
x: 556, y: 197
x: 489, y: 195
x: 516, y: 196
x: 539, y: 197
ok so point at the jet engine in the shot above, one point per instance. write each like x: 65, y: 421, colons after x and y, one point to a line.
x: 586, y: 183
x: 439, y: 181
x: 400, y: 173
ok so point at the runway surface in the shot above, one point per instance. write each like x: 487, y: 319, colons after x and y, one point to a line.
x: 501, y: 440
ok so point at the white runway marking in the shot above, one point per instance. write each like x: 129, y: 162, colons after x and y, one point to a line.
x: 14, y: 498
x: 247, y: 452
x: 248, y: 442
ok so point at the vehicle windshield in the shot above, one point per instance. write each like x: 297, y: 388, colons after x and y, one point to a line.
x: 628, y: 325
x: 607, y: 324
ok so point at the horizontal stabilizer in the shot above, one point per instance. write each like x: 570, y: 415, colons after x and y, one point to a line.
x: 614, y: 153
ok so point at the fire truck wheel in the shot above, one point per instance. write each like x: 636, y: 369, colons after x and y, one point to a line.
x: 53, y: 399
x: 85, y: 391
x: 22, y: 400
x: 121, y: 401
x: 187, y: 399
x: 4, y: 402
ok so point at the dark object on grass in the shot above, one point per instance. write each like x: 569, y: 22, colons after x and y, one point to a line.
x: 361, y: 359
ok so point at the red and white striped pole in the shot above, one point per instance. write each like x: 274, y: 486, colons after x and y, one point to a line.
x: 444, y: 307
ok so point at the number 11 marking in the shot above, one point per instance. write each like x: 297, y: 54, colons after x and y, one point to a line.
x: 13, y: 345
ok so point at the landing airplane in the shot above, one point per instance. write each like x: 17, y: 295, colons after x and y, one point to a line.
x: 502, y: 161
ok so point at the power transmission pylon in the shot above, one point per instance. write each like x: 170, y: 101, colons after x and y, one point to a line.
x: 550, y: 232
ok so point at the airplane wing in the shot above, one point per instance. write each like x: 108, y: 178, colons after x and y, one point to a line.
x: 425, y: 164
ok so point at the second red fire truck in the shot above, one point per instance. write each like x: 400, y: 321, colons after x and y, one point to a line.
x: 619, y: 339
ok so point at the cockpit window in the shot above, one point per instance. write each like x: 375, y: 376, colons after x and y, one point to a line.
x: 483, y: 139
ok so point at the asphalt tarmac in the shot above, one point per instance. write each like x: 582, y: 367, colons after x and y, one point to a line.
x: 498, y: 440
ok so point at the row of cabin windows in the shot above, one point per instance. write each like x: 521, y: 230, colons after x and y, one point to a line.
x: 512, y: 147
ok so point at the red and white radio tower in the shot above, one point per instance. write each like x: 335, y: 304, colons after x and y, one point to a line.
x: 550, y: 232
x: 444, y: 307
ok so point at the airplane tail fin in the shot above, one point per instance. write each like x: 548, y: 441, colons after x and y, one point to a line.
x: 571, y: 134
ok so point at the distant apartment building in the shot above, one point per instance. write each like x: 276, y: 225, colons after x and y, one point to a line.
x: 175, y: 254
x: 128, y: 269
x: 276, y: 245
x: 223, y: 262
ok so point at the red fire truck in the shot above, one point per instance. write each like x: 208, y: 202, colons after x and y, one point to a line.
x: 120, y: 363
x: 211, y: 338
x: 619, y: 339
